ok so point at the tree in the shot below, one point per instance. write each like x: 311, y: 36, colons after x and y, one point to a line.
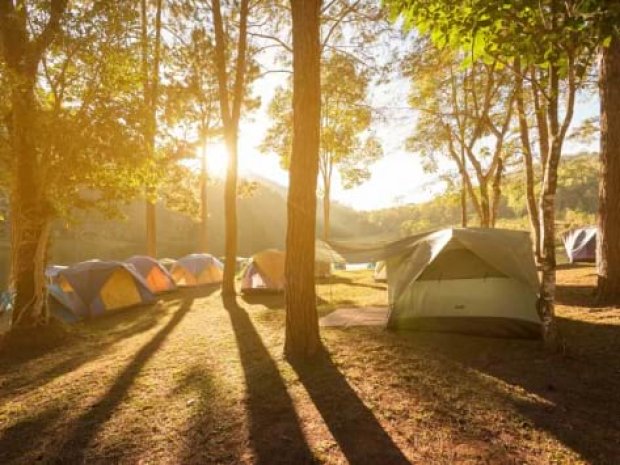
x: 74, y: 128
x: 150, y: 79
x: 230, y: 115
x: 609, y: 190
x: 543, y: 34
x: 346, y: 142
x: 22, y: 52
x: 302, y: 329
x: 465, y: 114
x: 193, y: 93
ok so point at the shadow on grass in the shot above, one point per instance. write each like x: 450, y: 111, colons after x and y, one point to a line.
x: 575, y: 397
x: 578, y: 295
x: 87, y: 425
x: 270, y: 300
x: 360, y: 436
x: 274, y: 431
x: 338, y: 279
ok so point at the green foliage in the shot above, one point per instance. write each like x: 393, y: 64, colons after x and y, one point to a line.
x: 346, y: 142
x: 90, y: 113
x: 577, y: 202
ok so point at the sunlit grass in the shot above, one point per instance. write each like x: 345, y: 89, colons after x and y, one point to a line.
x: 188, y: 381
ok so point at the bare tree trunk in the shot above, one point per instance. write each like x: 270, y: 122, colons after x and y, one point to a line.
x: 485, y: 205
x: 608, y: 253
x: 151, y: 91
x: 541, y: 119
x: 497, y: 191
x: 302, y: 329
x: 230, y: 119
x: 28, y: 210
x: 326, y: 210
x: 204, y: 213
x: 463, y: 192
x: 230, y: 208
x: 528, y: 162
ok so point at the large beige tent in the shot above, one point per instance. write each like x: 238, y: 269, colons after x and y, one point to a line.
x: 265, y: 270
x: 480, y: 281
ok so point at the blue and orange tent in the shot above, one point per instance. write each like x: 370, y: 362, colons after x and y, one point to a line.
x: 156, y: 276
x: 94, y: 287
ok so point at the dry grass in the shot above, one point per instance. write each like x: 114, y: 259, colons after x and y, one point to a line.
x: 189, y: 381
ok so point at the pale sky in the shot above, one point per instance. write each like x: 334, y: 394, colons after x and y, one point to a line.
x: 397, y: 178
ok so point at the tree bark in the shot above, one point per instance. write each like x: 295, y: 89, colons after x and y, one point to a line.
x: 230, y: 121
x: 528, y: 162
x: 608, y: 253
x: 204, y: 212
x: 230, y: 208
x: 302, y: 330
x: 151, y: 95
x: 463, y: 191
x: 497, y: 191
x: 557, y: 134
x: 28, y: 210
x: 326, y: 210
x: 485, y: 205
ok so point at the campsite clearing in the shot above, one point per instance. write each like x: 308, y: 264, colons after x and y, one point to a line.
x: 189, y: 381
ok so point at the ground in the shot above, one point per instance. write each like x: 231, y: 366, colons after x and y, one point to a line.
x: 189, y: 381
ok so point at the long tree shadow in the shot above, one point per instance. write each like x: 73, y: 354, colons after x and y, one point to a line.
x: 86, y: 427
x: 359, y: 434
x: 93, y: 339
x: 575, y: 397
x: 275, y: 432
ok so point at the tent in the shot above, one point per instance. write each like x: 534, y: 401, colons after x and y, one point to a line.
x: 167, y: 263
x: 477, y: 281
x: 380, y: 274
x: 197, y: 269
x: 264, y: 273
x: 265, y: 270
x: 580, y: 244
x: 96, y: 287
x: 153, y: 272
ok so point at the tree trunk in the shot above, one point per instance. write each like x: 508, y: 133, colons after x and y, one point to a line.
x: 608, y: 253
x: 204, y: 213
x: 28, y: 208
x: 151, y: 94
x: 528, y: 162
x: 485, y: 205
x: 497, y: 191
x: 541, y: 119
x: 230, y: 212
x: 547, y: 212
x: 463, y: 192
x: 326, y: 210
x: 230, y: 120
x: 302, y: 329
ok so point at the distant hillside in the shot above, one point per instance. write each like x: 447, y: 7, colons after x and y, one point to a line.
x: 576, y: 202
x: 262, y: 224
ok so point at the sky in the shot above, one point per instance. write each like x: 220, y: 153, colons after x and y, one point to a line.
x: 396, y: 179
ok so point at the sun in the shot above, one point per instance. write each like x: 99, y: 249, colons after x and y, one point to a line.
x: 217, y: 160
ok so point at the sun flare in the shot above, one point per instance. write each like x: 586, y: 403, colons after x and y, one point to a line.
x: 217, y: 160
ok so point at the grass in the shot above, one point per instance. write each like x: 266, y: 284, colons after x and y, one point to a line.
x: 189, y: 381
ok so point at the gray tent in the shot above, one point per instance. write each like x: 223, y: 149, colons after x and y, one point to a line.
x: 477, y: 281
x: 580, y: 244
